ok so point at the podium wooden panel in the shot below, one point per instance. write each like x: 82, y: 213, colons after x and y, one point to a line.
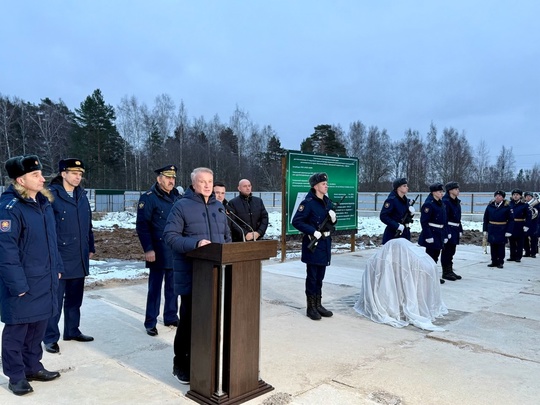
x: 225, y: 341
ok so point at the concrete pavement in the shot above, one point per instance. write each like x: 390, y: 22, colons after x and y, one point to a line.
x: 487, y: 355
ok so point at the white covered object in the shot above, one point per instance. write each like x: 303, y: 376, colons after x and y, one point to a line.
x: 401, y: 286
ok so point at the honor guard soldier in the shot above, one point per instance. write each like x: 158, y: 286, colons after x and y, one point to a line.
x: 309, y: 217
x: 530, y: 244
x: 522, y: 215
x: 498, y: 225
x: 453, y: 214
x: 434, y: 232
x: 153, y: 210
x: 396, y: 207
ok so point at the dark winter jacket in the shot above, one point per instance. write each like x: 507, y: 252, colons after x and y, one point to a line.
x: 153, y: 209
x: 29, y: 258
x: 434, y: 223
x: 498, y: 220
x: 192, y: 220
x: 252, y: 211
x: 392, y: 212
x: 73, y: 228
x: 307, y: 219
x: 522, y: 215
x: 453, y: 215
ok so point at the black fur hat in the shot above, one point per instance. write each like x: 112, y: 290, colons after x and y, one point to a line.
x: 499, y: 192
x: 399, y: 182
x: 451, y: 185
x: 18, y: 166
x: 317, y: 178
x: 436, y: 187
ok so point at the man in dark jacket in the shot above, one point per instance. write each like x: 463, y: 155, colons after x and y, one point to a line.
x: 29, y: 270
x: 498, y: 225
x: 251, y: 211
x: 394, y: 209
x: 434, y: 224
x: 522, y: 217
x: 76, y: 245
x: 308, y: 219
x: 194, y: 221
x: 530, y: 243
x: 153, y: 210
x: 453, y: 214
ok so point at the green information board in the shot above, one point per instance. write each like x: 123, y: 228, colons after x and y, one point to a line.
x: 342, y: 180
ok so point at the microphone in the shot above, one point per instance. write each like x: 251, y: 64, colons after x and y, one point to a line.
x: 245, y: 223
x: 233, y: 221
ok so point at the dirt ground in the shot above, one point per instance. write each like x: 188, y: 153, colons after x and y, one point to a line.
x: 124, y: 244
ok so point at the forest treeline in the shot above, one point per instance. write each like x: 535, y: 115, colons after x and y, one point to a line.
x: 122, y: 145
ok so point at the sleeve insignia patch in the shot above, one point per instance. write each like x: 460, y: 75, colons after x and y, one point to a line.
x: 5, y: 225
x: 301, y: 208
x: 141, y: 205
x: 426, y: 210
x: 386, y: 205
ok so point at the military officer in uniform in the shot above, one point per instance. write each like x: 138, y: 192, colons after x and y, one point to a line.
x: 498, y: 225
x: 153, y: 210
x: 452, y: 205
x: 522, y: 215
x: 311, y: 213
x: 393, y: 211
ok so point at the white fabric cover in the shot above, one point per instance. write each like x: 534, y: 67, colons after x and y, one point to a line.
x: 400, y: 286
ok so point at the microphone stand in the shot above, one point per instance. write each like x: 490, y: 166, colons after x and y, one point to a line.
x: 234, y: 222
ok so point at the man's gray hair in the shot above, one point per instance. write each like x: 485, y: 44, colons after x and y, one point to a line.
x: 198, y: 170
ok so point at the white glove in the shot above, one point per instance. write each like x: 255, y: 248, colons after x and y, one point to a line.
x: 507, y: 234
x: 445, y: 240
x: 449, y: 236
x: 430, y: 240
x: 525, y: 228
x: 401, y: 228
x: 460, y: 234
x: 485, y: 233
x: 332, y: 214
x: 411, y: 209
x: 317, y: 235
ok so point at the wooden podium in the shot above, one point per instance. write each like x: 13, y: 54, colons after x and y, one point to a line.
x: 225, y: 334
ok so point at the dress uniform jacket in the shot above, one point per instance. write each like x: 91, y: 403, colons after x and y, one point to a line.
x: 192, y: 219
x: 74, y: 229
x: 392, y: 212
x: 453, y: 215
x: 153, y: 209
x: 307, y: 219
x: 29, y: 259
x: 434, y: 223
x: 498, y: 220
x: 522, y: 215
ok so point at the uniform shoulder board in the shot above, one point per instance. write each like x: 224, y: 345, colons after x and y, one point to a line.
x: 11, y: 204
x: 149, y: 192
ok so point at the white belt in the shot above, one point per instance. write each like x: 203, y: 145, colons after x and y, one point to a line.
x: 453, y: 223
x: 327, y: 234
x: 435, y: 225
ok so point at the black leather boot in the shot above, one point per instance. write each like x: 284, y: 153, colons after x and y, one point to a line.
x: 312, y: 312
x: 320, y: 309
x: 457, y: 276
x: 447, y: 273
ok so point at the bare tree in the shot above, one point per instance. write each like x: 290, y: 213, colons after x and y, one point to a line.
x: 455, y: 162
x: 481, y: 166
x: 505, y: 167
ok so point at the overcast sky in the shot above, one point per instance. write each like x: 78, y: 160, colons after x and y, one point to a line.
x: 470, y: 64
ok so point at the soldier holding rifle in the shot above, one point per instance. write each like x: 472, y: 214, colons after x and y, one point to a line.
x: 311, y: 213
x: 397, y: 212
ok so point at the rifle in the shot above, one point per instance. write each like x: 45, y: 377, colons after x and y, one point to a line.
x: 314, y: 241
x: 406, y: 218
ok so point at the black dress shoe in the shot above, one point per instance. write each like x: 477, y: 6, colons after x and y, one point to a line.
x: 492, y: 265
x: 511, y: 260
x: 533, y: 256
x: 449, y: 276
x: 517, y: 261
x: 181, y: 375
x: 457, y: 276
x: 81, y: 338
x: 441, y: 281
x: 52, y: 347
x: 152, y: 331
x: 43, y: 375
x: 500, y: 266
x: 21, y: 388
x: 175, y: 324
